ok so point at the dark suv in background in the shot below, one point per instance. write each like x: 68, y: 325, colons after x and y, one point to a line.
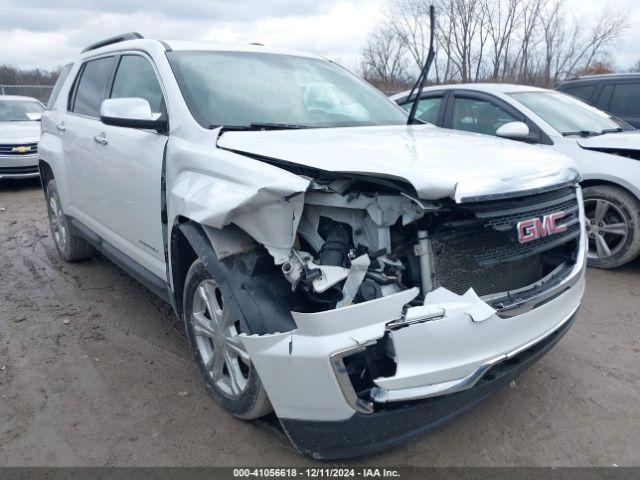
x: 618, y: 94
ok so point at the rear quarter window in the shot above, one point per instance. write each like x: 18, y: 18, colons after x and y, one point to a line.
x: 55, y: 93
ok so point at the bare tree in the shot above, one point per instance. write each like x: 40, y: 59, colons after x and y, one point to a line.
x: 383, y: 58
x: 11, y: 75
x: 503, y: 17
x: 609, y: 29
x: 526, y: 41
x: 559, y: 40
x: 522, y: 67
x: 567, y: 50
x: 465, y: 19
x: 409, y: 20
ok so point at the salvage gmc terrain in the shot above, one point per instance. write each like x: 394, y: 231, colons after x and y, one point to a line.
x: 365, y: 279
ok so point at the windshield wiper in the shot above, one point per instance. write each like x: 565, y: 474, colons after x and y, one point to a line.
x: 422, y: 78
x: 582, y: 133
x: 260, y: 126
x: 276, y: 126
x: 612, y: 130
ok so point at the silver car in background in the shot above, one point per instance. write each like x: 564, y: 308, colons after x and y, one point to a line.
x: 19, y: 136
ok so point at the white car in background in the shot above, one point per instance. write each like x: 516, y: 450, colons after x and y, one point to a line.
x: 606, y: 150
x: 19, y: 136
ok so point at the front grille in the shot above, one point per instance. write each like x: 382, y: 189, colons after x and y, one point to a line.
x: 479, y: 248
x: 19, y: 149
x: 18, y: 170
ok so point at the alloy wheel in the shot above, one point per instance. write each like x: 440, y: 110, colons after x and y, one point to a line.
x: 217, y: 338
x: 57, y: 221
x: 607, y: 228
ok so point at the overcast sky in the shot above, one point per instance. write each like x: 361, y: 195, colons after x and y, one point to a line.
x: 45, y: 33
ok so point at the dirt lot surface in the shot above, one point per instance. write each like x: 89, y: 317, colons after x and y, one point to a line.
x: 94, y: 370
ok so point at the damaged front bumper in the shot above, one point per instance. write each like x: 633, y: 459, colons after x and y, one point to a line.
x: 448, y: 353
x: 363, y: 434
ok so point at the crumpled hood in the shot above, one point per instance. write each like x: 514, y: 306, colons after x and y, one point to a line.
x: 19, y: 132
x: 437, y: 162
x: 612, y: 141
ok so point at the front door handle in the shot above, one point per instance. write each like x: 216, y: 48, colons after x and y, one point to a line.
x: 61, y: 126
x: 101, y: 139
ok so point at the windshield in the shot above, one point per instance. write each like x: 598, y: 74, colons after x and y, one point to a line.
x: 20, y: 110
x: 241, y: 89
x: 569, y: 115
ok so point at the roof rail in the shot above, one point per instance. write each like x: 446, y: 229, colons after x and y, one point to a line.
x: 605, y: 75
x: 115, y: 39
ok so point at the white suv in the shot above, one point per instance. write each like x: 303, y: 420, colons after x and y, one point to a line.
x: 366, y: 279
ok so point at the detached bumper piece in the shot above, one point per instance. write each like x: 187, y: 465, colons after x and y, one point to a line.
x: 394, y: 424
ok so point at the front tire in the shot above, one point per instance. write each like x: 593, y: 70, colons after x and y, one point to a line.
x: 70, y: 247
x: 613, y: 226
x: 213, y: 328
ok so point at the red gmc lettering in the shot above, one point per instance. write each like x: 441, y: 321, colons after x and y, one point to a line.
x: 534, y: 228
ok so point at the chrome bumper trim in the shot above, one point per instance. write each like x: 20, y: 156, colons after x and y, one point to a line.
x: 19, y: 175
x: 344, y: 382
x: 382, y: 395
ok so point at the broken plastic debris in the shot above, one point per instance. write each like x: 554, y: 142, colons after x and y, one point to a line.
x: 359, y: 267
x: 468, y: 303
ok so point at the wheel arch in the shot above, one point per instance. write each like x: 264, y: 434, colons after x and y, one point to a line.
x: 258, y: 287
x: 597, y: 182
x: 46, y: 173
x: 191, y: 240
x: 182, y: 253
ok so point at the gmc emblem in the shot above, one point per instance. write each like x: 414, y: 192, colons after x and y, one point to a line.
x: 534, y: 228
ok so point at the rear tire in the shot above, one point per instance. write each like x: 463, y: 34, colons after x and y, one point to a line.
x: 70, y: 247
x: 212, y: 325
x: 613, y: 226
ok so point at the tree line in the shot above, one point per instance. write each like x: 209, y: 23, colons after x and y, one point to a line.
x: 536, y: 42
x: 12, y: 75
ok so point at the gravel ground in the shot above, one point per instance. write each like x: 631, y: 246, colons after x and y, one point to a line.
x: 95, y: 371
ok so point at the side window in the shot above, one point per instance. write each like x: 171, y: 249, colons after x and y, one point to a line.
x: 626, y: 99
x: 479, y: 116
x: 583, y: 92
x: 136, y: 78
x: 604, y: 99
x: 64, y: 73
x: 428, y: 109
x: 91, y: 87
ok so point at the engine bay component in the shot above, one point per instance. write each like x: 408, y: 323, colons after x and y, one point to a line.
x: 335, y: 249
x: 314, y: 277
x: 425, y: 254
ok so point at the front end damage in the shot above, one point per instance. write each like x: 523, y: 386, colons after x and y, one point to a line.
x: 404, y: 308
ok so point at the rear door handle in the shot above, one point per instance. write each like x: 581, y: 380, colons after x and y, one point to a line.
x: 61, y: 126
x: 101, y: 139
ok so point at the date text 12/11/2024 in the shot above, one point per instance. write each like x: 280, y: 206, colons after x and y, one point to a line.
x: 315, y: 472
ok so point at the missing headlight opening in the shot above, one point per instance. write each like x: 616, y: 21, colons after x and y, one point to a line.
x: 354, y: 245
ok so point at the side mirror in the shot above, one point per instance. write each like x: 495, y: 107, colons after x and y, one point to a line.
x: 514, y: 131
x: 34, y: 116
x: 131, y: 113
